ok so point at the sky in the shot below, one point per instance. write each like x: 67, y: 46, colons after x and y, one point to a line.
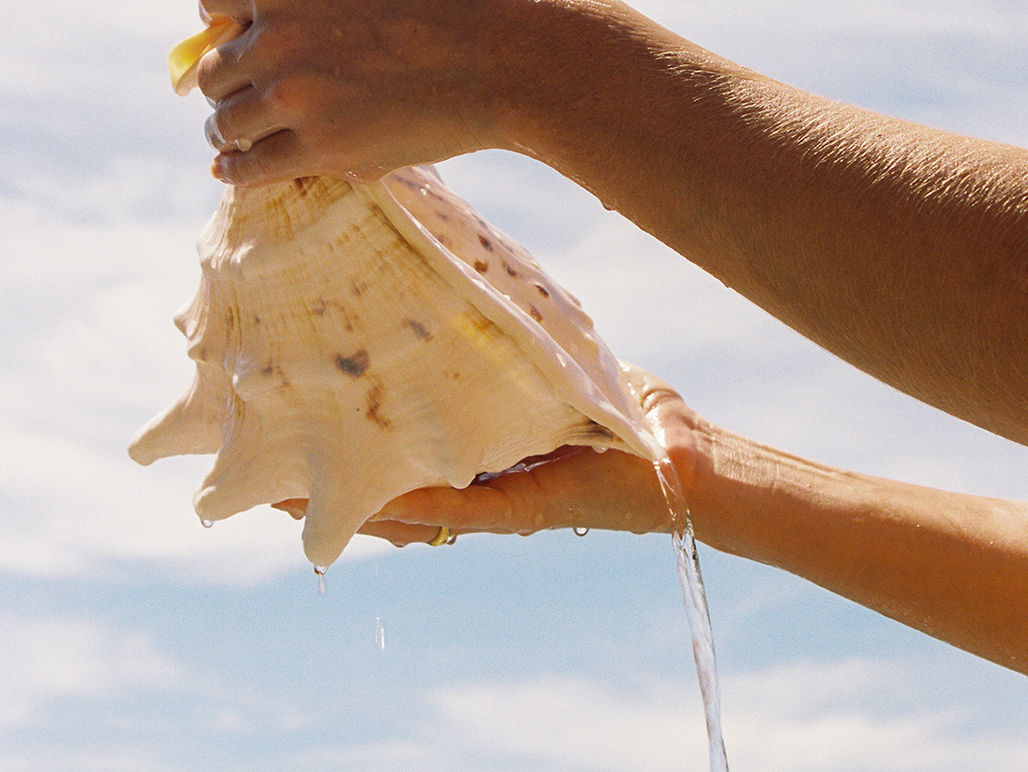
x: 135, y: 639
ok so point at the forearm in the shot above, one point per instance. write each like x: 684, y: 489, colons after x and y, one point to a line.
x: 902, y: 249
x: 951, y: 565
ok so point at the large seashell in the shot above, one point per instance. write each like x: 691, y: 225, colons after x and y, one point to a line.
x: 355, y: 342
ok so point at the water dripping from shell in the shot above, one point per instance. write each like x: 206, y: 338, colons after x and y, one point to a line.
x: 694, y: 595
x: 322, y: 585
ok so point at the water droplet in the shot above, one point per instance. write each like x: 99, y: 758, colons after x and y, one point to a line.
x: 600, y: 448
x: 207, y: 523
x: 322, y: 586
x: 580, y: 531
x: 380, y: 634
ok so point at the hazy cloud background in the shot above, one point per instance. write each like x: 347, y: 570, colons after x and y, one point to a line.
x: 135, y: 639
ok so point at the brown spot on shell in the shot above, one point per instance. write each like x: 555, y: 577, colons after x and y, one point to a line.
x: 510, y: 271
x: 355, y: 364
x: 535, y: 314
x: 485, y: 242
x: 374, y: 407
x: 481, y: 266
x: 348, y: 321
x: 542, y: 290
x: 300, y: 183
x: 418, y: 329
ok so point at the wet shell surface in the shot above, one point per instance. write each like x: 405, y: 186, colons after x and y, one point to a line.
x: 356, y: 342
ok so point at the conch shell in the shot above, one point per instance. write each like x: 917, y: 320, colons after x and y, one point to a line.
x: 355, y: 342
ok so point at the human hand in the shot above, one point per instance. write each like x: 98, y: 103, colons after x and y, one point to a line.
x: 574, y: 487
x: 347, y: 88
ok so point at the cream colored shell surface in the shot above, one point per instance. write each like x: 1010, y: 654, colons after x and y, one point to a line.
x: 355, y: 342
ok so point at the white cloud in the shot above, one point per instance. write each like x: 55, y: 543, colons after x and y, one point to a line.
x: 112, y: 678
x: 49, y: 659
x: 384, y: 755
x: 107, y: 759
x: 950, y: 64
x: 802, y: 716
x: 573, y: 723
x: 917, y: 17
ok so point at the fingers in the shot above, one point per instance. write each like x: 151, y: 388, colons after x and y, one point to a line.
x: 240, y: 121
x: 400, y: 534
x: 226, y: 69
x: 580, y: 488
x: 226, y: 76
x: 393, y: 531
x: 275, y: 157
x: 477, y: 508
x: 253, y: 116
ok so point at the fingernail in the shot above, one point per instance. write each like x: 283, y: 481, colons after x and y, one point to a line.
x: 217, y: 170
x: 213, y: 132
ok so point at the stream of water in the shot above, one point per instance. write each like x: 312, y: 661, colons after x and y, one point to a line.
x: 696, y: 608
